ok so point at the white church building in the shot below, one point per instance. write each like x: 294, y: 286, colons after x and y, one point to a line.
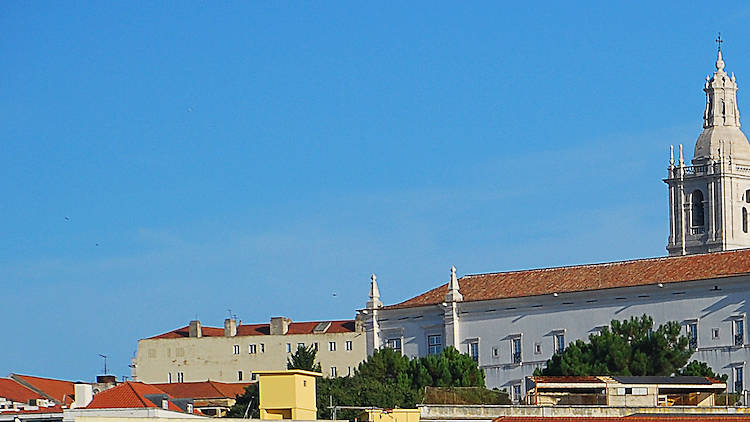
x: 512, y: 322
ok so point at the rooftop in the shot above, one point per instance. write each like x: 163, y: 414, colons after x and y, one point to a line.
x: 203, y: 389
x: 343, y: 326
x: 59, y: 390
x: 129, y: 395
x: 12, y: 390
x: 579, y: 278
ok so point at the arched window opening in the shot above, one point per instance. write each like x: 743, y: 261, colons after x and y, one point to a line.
x: 744, y: 219
x: 697, y: 208
x: 747, y: 196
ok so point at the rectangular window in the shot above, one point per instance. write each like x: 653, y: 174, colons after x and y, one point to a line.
x: 495, y: 352
x: 692, y: 334
x: 474, y: 350
x: 253, y: 377
x: 236, y: 349
x: 315, y: 345
x: 517, y: 393
x: 349, y: 371
x: 348, y: 345
x: 239, y: 375
x: 169, y: 377
x: 515, y: 348
x: 252, y: 349
x: 302, y: 345
x: 435, y: 344
x: 714, y: 333
x: 537, y: 348
x: 739, y: 383
x: 559, y: 343
x: 262, y: 348
x: 289, y: 347
x: 739, y: 332
x: 331, y: 346
x: 394, y: 343
x: 180, y: 377
x: 333, y: 371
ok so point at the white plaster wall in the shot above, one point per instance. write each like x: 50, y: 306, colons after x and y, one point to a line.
x: 537, y: 318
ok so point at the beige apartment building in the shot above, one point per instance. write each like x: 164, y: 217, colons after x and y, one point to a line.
x: 232, y: 353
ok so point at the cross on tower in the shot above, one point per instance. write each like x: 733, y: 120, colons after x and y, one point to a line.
x: 719, y: 41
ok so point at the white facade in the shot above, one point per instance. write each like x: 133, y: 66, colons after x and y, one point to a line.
x: 512, y: 336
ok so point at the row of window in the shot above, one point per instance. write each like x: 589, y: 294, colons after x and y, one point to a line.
x: 435, y: 346
x: 261, y: 348
x: 738, y: 332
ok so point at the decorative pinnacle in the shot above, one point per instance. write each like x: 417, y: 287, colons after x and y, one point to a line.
x: 719, y: 60
x: 671, y: 155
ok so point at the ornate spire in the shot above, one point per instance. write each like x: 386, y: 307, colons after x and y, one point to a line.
x: 453, y: 295
x: 721, y: 96
x: 374, y: 301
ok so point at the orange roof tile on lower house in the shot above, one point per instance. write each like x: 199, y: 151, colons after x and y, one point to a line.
x: 14, y: 391
x: 203, y: 389
x: 60, y: 391
x: 343, y: 326
x: 129, y: 395
x: 639, y: 272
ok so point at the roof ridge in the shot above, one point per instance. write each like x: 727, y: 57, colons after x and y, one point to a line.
x: 602, y: 264
x: 138, y: 395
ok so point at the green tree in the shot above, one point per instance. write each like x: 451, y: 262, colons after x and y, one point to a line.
x: 249, y: 397
x: 304, y: 358
x: 388, y: 379
x: 629, y: 347
x: 701, y: 369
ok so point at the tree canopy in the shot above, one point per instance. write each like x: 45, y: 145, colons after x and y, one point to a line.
x: 629, y: 347
x: 388, y: 379
x: 304, y: 358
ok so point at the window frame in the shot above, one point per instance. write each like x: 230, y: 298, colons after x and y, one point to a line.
x: 331, y: 346
x: 434, y: 348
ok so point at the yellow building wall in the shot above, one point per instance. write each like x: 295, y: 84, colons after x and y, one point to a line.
x: 202, y: 358
x: 287, y: 395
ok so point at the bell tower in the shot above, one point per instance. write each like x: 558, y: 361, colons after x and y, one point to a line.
x: 709, y: 201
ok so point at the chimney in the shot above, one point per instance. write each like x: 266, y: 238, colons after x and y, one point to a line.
x: 230, y: 327
x: 279, y: 325
x: 84, y: 393
x: 195, y: 329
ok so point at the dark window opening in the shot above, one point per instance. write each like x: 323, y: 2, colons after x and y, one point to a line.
x: 697, y: 209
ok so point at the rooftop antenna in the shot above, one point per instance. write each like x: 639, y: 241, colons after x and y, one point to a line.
x: 105, y: 362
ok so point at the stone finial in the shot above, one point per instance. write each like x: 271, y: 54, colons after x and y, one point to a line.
x: 682, y: 160
x: 671, y: 156
x: 720, y: 63
x: 374, y: 301
x: 454, y: 293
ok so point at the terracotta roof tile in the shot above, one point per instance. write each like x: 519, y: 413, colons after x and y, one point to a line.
x: 128, y: 395
x: 203, y: 389
x: 343, y: 326
x: 59, y: 390
x: 52, y: 409
x: 12, y: 390
x: 590, y: 277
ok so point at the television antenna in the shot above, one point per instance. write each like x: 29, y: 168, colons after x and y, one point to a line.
x: 105, y: 362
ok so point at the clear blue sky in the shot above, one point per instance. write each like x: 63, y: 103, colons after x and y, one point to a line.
x: 164, y: 161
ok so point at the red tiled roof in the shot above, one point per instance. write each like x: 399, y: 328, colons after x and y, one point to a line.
x: 128, y: 395
x: 590, y: 277
x: 59, y: 390
x: 12, y: 390
x: 52, y: 409
x: 638, y: 418
x: 203, y: 389
x: 344, y: 326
